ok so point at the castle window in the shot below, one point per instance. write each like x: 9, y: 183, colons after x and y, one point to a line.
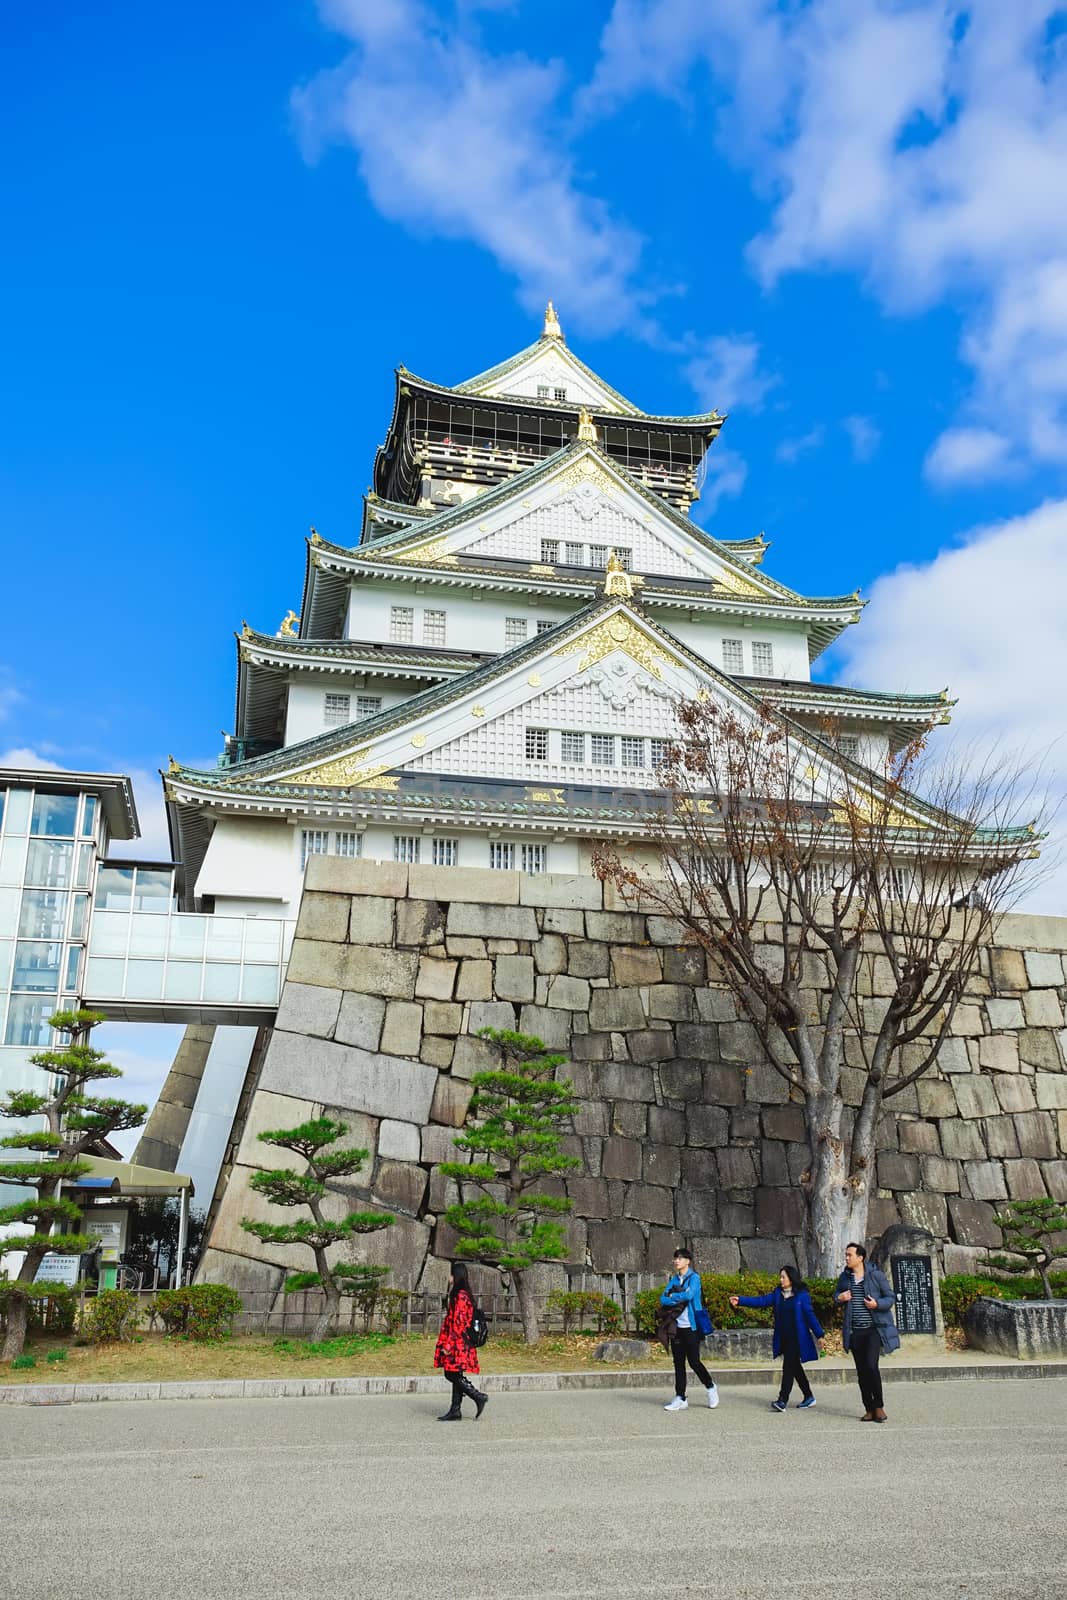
x: 549, y: 552
x: 633, y: 752
x: 313, y: 842
x: 898, y: 883
x: 575, y: 555
x: 535, y: 858
x: 537, y: 744
x: 733, y: 655
x: 545, y: 627
x: 660, y: 749
x: 572, y: 747
x: 602, y: 749
x: 542, y: 391
x: 445, y: 852
x: 763, y: 660
x: 848, y: 744
x: 598, y: 555
x: 501, y: 856
x: 367, y: 705
x: 559, y: 394
x: 433, y: 627
x: 514, y: 631
x: 402, y: 624
x: 406, y: 847
x: 336, y: 709
x: 348, y: 844
x: 626, y: 557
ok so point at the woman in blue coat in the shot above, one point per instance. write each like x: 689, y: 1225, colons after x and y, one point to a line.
x: 796, y: 1328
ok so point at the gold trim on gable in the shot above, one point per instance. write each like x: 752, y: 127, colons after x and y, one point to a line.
x: 433, y: 554
x: 616, y: 633
x: 587, y: 471
x: 343, y: 772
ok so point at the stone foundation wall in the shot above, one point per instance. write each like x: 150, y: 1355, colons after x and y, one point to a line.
x: 684, y: 1132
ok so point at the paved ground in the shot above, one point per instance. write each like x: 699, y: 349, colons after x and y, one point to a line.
x: 962, y: 1494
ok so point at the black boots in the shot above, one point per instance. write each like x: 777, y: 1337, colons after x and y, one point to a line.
x: 461, y: 1385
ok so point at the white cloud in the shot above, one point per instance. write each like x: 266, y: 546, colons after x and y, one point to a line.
x: 725, y: 474
x: 863, y: 435
x: 791, y: 450
x: 24, y: 756
x: 455, y: 141
x: 919, y: 143
x: 987, y: 620
x: 726, y: 373
x: 968, y: 455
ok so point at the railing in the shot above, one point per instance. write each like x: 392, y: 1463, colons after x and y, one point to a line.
x: 186, y: 958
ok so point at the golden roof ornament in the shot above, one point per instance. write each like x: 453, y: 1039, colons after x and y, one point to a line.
x: 290, y: 623
x: 586, y: 427
x: 617, y: 581
x: 316, y: 536
x: 552, y: 329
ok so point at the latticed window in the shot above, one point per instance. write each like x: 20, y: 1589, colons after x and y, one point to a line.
x: 537, y: 744
x: 572, y: 747
x: 559, y: 394
x: 549, y: 552
x: 633, y: 752
x: 733, y: 655
x: 545, y: 627
x: 898, y: 883
x: 367, y: 705
x: 406, y: 847
x: 848, y: 744
x: 626, y: 557
x: 445, y: 852
x: 823, y: 877
x: 433, y: 627
x: 501, y: 856
x: 763, y: 660
x: 598, y: 555
x: 514, y: 631
x: 348, y: 844
x: 535, y: 858
x: 335, y: 709
x: 402, y: 624
x: 542, y: 391
x: 602, y: 749
x: 313, y: 842
x: 575, y: 555
x: 659, y: 750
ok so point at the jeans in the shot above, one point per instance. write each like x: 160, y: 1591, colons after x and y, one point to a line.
x: 866, y: 1347
x: 793, y: 1372
x: 685, y: 1346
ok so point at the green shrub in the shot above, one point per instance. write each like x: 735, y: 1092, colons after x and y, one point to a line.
x: 203, y: 1311
x: 391, y: 1304
x: 53, y: 1310
x: 110, y: 1317
x: 960, y: 1289
x: 56, y: 1355
x: 576, y: 1304
x: 23, y: 1362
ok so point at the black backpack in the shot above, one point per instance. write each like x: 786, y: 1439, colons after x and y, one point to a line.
x: 478, y: 1332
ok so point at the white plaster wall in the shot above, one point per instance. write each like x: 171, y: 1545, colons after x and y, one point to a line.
x: 253, y: 859
x: 472, y: 622
x: 706, y: 633
x: 305, y: 710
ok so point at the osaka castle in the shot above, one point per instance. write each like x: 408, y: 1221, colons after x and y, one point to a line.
x: 484, y: 674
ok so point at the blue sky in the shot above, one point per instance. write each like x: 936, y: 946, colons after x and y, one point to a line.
x: 842, y: 221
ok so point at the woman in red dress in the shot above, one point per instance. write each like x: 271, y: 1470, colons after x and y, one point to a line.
x: 453, y: 1352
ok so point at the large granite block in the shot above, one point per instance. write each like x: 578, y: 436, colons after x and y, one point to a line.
x: 708, y: 1126
x: 451, y: 1098
x: 340, y: 1075
x: 323, y: 916
x: 471, y: 884
x: 1028, y: 1330
x: 616, y: 1010
x: 962, y: 1140
x: 558, y: 889
x: 986, y: 1180
x: 475, y: 980
x: 1024, y: 1180
x: 1044, y: 968
x: 661, y: 1164
x: 402, y: 1030
x: 632, y: 967
x: 779, y: 1212
x: 568, y: 994
x: 360, y: 1020
x: 418, y: 922
x: 647, y: 1202
x: 370, y: 969
x: 622, y: 1080
x: 550, y: 953
x: 371, y: 919
x: 618, y: 927
x: 616, y: 1246
x: 514, y: 978
x: 651, y: 1044
x: 1051, y: 1091
x: 1036, y: 1133
x: 622, y: 1159
x: 491, y: 921
x: 340, y: 875
x: 553, y: 1028
x: 666, y: 1126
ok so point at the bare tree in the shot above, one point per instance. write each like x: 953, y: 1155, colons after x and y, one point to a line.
x: 845, y: 915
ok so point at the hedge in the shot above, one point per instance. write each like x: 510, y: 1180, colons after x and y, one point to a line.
x: 719, y: 1286
x: 961, y: 1288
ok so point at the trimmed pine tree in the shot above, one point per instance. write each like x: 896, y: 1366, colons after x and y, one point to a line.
x: 73, y: 1122
x: 1034, y: 1232
x: 518, y: 1116
x: 285, y: 1186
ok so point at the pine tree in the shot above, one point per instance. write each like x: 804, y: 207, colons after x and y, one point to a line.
x: 519, y: 1114
x: 287, y: 1187
x: 74, y: 1122
x: 1031, y: 1230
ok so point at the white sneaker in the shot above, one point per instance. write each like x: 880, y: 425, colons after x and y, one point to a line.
x: 713, y: 1396
x: 677, y: 1404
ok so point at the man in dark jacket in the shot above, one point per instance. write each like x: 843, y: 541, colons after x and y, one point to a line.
x: 869, y: 1328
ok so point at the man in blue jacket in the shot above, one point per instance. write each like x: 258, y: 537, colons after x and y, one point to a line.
x: 868, y: 1300
x: 682, y: 1296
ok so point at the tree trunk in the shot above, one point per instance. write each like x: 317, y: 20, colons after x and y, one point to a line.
x: 531, y: 1327
x: 1044, y: 1267
x: 18, y: 1313
x: 829, y: 1196
x: 327, y: 1318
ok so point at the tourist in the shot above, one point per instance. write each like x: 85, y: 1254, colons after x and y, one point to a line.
x: 454, y: 1351
x: 683, y: 1322
x: 868, y: 1299
x: 796, y: 1328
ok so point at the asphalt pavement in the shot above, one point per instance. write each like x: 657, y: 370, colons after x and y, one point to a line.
x: 962, y: 1493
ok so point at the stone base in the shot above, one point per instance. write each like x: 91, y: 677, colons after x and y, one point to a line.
x: 1027, y: 1329
x: 622, y: 1350
x: 740, y: 1344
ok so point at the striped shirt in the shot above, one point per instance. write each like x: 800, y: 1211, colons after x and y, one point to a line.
x: 861, y: 1317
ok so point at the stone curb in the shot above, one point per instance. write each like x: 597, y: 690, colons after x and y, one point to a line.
x: 65, y: 1394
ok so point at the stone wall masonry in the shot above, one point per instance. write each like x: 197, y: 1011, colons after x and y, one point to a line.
x: 684, y: 1131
